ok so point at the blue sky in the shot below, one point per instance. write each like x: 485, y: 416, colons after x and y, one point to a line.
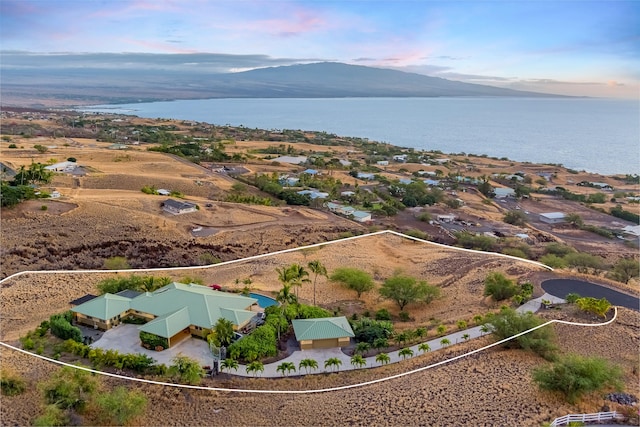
x: 558, y: 46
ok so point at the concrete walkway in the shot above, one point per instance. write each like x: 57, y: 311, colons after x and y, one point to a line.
x: 321, y: 355
x: 125, y: 339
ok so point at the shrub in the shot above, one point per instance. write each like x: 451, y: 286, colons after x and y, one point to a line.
x: 261, y: 343
x: 574, y: 375
x: 354, y: 279
x: 116, y: 263
x: 52, y: 417
x: 499, y: 287
x: 558, y: 249
x: 186, y: 370
x: 598, y: 307
x: 11, y: 384
x: 369, y: 330
x: 70, y: 388
x: 553, y: 261
x: 62, y: 328
x: 13, y: 146
x: 509, y: 322
x: 404, y: 316
x: 121, y: 405
x: 153, y: 340
x: 572, y: 298
x: 383, y: 314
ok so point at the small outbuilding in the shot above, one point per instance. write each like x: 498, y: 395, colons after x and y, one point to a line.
x: 326, y: 332
x: 552, y: 217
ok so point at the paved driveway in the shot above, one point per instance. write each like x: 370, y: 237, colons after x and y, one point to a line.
x: 126, y: 339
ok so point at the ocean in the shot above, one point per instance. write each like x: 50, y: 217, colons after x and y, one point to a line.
x: 590, y: 134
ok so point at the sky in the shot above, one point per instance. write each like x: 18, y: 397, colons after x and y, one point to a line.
x: 571, y: 47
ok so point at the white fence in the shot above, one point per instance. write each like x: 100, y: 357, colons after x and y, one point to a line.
x: 585, y: 418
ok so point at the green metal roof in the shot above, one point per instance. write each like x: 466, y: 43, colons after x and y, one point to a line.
x: 104, y: 307
x: 203, y: 307
x: 168, y: 325
x: 324, y: 328
x: 204, y: 304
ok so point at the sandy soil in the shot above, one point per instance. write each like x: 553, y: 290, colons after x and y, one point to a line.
x: 104, y: 214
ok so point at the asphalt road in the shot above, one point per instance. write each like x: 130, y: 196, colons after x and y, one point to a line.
x: 562, y: 287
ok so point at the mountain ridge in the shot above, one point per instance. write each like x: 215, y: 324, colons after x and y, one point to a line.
x: 78, y: 85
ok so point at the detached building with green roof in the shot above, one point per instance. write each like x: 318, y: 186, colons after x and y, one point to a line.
x: 327, y: 332
x: 174, y: 312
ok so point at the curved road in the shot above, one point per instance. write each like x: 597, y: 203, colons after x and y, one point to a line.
x: 562, y: 287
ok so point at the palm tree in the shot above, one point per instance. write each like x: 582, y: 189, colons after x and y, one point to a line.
x: 286, y: 366
x: 229, y: 364
x: 297, y: 276
x: 444, y: 342
x: 308, y: 364
x: 333, y: 362
x: 421, y: 332
x: 222, y: 332
x: 405, y: 352
x: 318, y: 269
x: 358, y: 361
x: 484, y: 329
x: 383, y: 358
x: 466, y: 337
x: 256, y: 366
x: 362, y: 347
x: 424, y: 347
x: 379, y: 343
x: 441, y: 329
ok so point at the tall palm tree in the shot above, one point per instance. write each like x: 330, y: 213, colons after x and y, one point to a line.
x: 358, y: 361
x: 286, y: 366
x: 255, y: 367
x: 424, y: 347
x: 308, y: 364
x: 383, y: 358
x: 445, y: 342
x: 229, y: 364
x: 333, y: 362
x: 318, y: 269
x: 405, y: 352
x: 297, y: 276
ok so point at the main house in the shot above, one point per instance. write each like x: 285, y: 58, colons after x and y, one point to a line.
x: 174, y: 312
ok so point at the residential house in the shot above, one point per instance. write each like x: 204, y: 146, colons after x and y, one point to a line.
x: 552, y: 217
x: 400, y: 158
x: 163, y: 192
x: 431, y: 182
x: 361, y: 216
x: 366, y: 176
x: 347, y: 194
x: 328, y: 332
x: 62, y: 167
x: 382, y: 163
x: 174, y: 312
x: 314, y: 194
x: 503, y: 193
x: 446, y: 218
x: 176, y: 207
x: 294, y: 160
x: 311, y: 172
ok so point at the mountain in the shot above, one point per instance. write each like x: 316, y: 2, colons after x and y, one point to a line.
x: 42, y: 86
x: 331, y: 79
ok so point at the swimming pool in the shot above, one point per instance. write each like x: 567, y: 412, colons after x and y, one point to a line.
x: 263, y: 301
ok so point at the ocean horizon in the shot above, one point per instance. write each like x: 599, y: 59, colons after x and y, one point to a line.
x: 591, y: 134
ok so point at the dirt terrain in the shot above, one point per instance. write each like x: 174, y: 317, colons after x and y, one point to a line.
x: 104, y: 214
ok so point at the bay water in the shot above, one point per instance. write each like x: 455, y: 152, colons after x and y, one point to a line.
x: 590, y: 134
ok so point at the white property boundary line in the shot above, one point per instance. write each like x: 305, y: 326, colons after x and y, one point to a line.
x: 278, y: 253
x: 324, y: 390
x: 284, y: 251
